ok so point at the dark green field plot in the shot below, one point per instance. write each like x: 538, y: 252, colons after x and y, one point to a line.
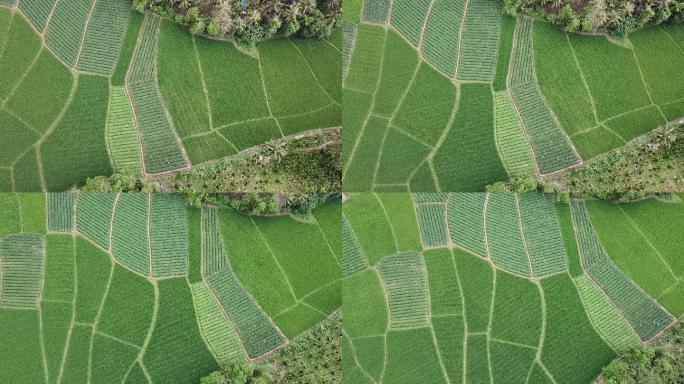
x: 106, y: 288
x: 106, y: 89
x: 455, y: 95
x: 535, y: 299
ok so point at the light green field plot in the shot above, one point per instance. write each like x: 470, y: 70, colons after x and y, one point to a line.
x: 353, y: 258
x: 474, y: 97
x: 217, y: 330
x: 130, y: 232
x: 605, y: 316
x: 153, y: 89
x: 64, y: 34
x: 213, y: 251
x: 542, y: 233
x: 144, y: 306
x: 168, y: 235
x: 94, y: 216
x: 440, y: 44
x: 433, y: 226
x: 515, y: 151
x: 480, y: 41
x: 402, y: 216
x: 104, y: 36
x: 505, y: 240
x: 23, y: 259
x: 465, y: 215
x: 518, y: 297
x: 60, y: 211
x: 403, y: 276
x: 375, y: 11
x: 349, y: 35
x: 122, y: 136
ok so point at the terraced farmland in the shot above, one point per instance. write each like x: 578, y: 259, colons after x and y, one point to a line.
x: 502, y: 288
x: 89, y: 88
x: 106, y: 288
x: 453, y: 95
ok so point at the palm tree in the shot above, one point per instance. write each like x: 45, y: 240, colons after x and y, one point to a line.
x: 291, y: 13
x: 253, y: 17
x: 307, y: 5
x: 185, y: 4
x: 666, y: 138
x: 275, y: 151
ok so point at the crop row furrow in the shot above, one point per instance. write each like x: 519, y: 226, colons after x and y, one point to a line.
x: 465, y: 215
x: 23, y: 258
x: 405, y: 284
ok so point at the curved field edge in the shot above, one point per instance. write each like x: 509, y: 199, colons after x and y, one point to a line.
x: 530, y: 323
x: 83, y: 303
x: 42, y: 75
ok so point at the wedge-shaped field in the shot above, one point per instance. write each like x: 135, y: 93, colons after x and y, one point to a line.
x: 89, y: 88
x: 530, y: 294
x: 453, y: 95
x: 118, y: 292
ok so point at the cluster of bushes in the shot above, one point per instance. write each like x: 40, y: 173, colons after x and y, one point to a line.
x: 655, y: 164
x: 662, y: 363
x: 311, y: 359
x: 238, y: 373
x: 309, y: 164
x: 652, y: 165
x: 250, y: 21
x: 618, y: 17
x: 268, y: 203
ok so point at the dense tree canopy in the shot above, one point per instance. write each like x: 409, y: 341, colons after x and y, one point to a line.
x: 619, y: 17
x: 250, y: 21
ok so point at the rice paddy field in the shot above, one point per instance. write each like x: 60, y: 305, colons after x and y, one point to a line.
x: 140, y: 288
x: 89, y: 88
x: 503, y: 288
x: 452, y: 95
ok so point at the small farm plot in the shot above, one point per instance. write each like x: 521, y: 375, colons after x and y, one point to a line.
x: 111, y: 294
x: 498, y: 300
x: 104, y: 36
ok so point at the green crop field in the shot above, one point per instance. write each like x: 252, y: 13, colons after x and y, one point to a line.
x: 454, y: 95
x: 106, y: 288
x: 506, y: 288
x: 89, y: 88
